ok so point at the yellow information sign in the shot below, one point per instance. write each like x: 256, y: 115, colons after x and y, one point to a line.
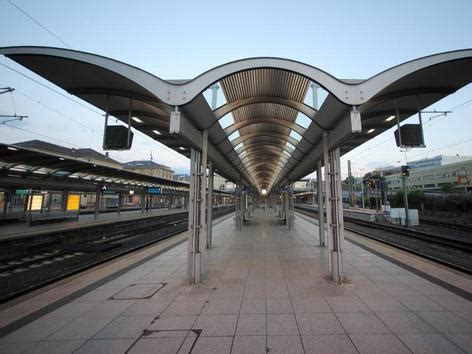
x: 73, y: 202
x: 36, y: 202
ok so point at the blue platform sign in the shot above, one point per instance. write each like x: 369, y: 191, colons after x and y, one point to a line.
x: 156, y: 190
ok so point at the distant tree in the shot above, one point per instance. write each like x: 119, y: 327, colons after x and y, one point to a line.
x: 416, y: 199
x: 447, y: 187
x: 397, y: 200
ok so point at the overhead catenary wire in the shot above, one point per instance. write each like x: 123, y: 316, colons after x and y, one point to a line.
x: 62, y: 114
x: 38, y: 23
x: 43, y: 135
x: 146, y: 137
x: 444, y: 147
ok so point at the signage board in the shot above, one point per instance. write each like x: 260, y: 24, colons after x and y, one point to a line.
x: 155, y: 190
x: 24, y: 191
x: 36, y: 202
x: 73, y: 202
x: 409, y: 135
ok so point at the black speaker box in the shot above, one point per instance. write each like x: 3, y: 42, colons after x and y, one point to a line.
x: 116, y: 138
x: 411, y: 134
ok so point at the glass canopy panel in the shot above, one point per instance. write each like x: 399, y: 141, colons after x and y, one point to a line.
x: 227, y: 120
x: 302, y: 120
x: 220, y: 97
x: 315, y: 96
x: 295, y: 135
x: 234, y: 136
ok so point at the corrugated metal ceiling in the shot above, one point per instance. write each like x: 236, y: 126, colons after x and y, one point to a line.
x: 264, y: 82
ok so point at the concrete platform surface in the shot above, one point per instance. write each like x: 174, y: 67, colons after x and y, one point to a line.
x: 267, y: 291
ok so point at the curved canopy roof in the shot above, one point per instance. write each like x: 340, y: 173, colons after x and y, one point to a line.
x: 19, y: 161
x: 266, y: 144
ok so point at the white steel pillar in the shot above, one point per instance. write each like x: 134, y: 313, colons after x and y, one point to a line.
x: 203, y: 200
x: 143, y: 201
x: 120, y: 203
x: 334, y: 214
x: 238, y: 206
x: 289, y: 217
x: 321, y: 226
x: 327, y: 170
x: 98, y: 195
x: 243, y: 206
x: 196, y: 220
x: 209, y: 234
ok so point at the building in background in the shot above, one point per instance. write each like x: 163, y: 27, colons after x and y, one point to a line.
x: 88, y: 155
x: 219, y: 183
x: 149, y: 168
x: 455, y: 176
x: 181, y: 177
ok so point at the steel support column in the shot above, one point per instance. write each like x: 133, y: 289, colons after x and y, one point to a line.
x: 289, y: 213
x: 203, y: 200
x: 98, y: 194
x: 143, y: 202
x: 196, y: 212
x: 209, y: 234
x: 334, y: 212
x: 321, y: 225
x: 238, y: 206
x: 243, y: 207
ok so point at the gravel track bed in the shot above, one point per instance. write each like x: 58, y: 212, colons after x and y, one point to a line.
x: 443, y: 253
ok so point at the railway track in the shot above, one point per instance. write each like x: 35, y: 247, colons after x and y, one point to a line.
x: 448, y: 225
x: 447, y: 250
x: 23, y: 274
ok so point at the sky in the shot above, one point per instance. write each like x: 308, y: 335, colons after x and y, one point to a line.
x: 182, y: 39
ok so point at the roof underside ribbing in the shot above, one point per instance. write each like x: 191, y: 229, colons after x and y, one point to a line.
x: 264, y: 127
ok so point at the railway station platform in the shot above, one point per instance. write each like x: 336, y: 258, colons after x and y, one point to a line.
x: 266, y: 289
x: 22, y: 229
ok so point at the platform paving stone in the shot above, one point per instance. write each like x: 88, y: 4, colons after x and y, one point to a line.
x: 125, y: 327
x: 249, y: 345
x: 318, y: 323
x: 405, y: 322
x: 282, y: 325
x: 251, y: 325
x: 266, y: 291
x: 328, y: 343
x: 446, y: 322
x: 378, y: 343
x: 434, y: 343
x: 279, y: 305
x: 54, y: 347
x: 285, y: 345
x: 362, y: 322
x: 104, y: 346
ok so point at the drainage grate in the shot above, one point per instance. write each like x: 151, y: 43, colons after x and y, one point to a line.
x: 175, y: 340
x: 138, y: 291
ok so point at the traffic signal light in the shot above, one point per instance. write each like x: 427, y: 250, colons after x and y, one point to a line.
x: 405, y: 170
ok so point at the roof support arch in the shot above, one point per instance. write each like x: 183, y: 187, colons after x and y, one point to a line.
x: 261, y: 120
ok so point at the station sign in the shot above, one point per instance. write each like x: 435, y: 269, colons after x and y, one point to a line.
x: 156, y: 190
x: 24, y: 191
